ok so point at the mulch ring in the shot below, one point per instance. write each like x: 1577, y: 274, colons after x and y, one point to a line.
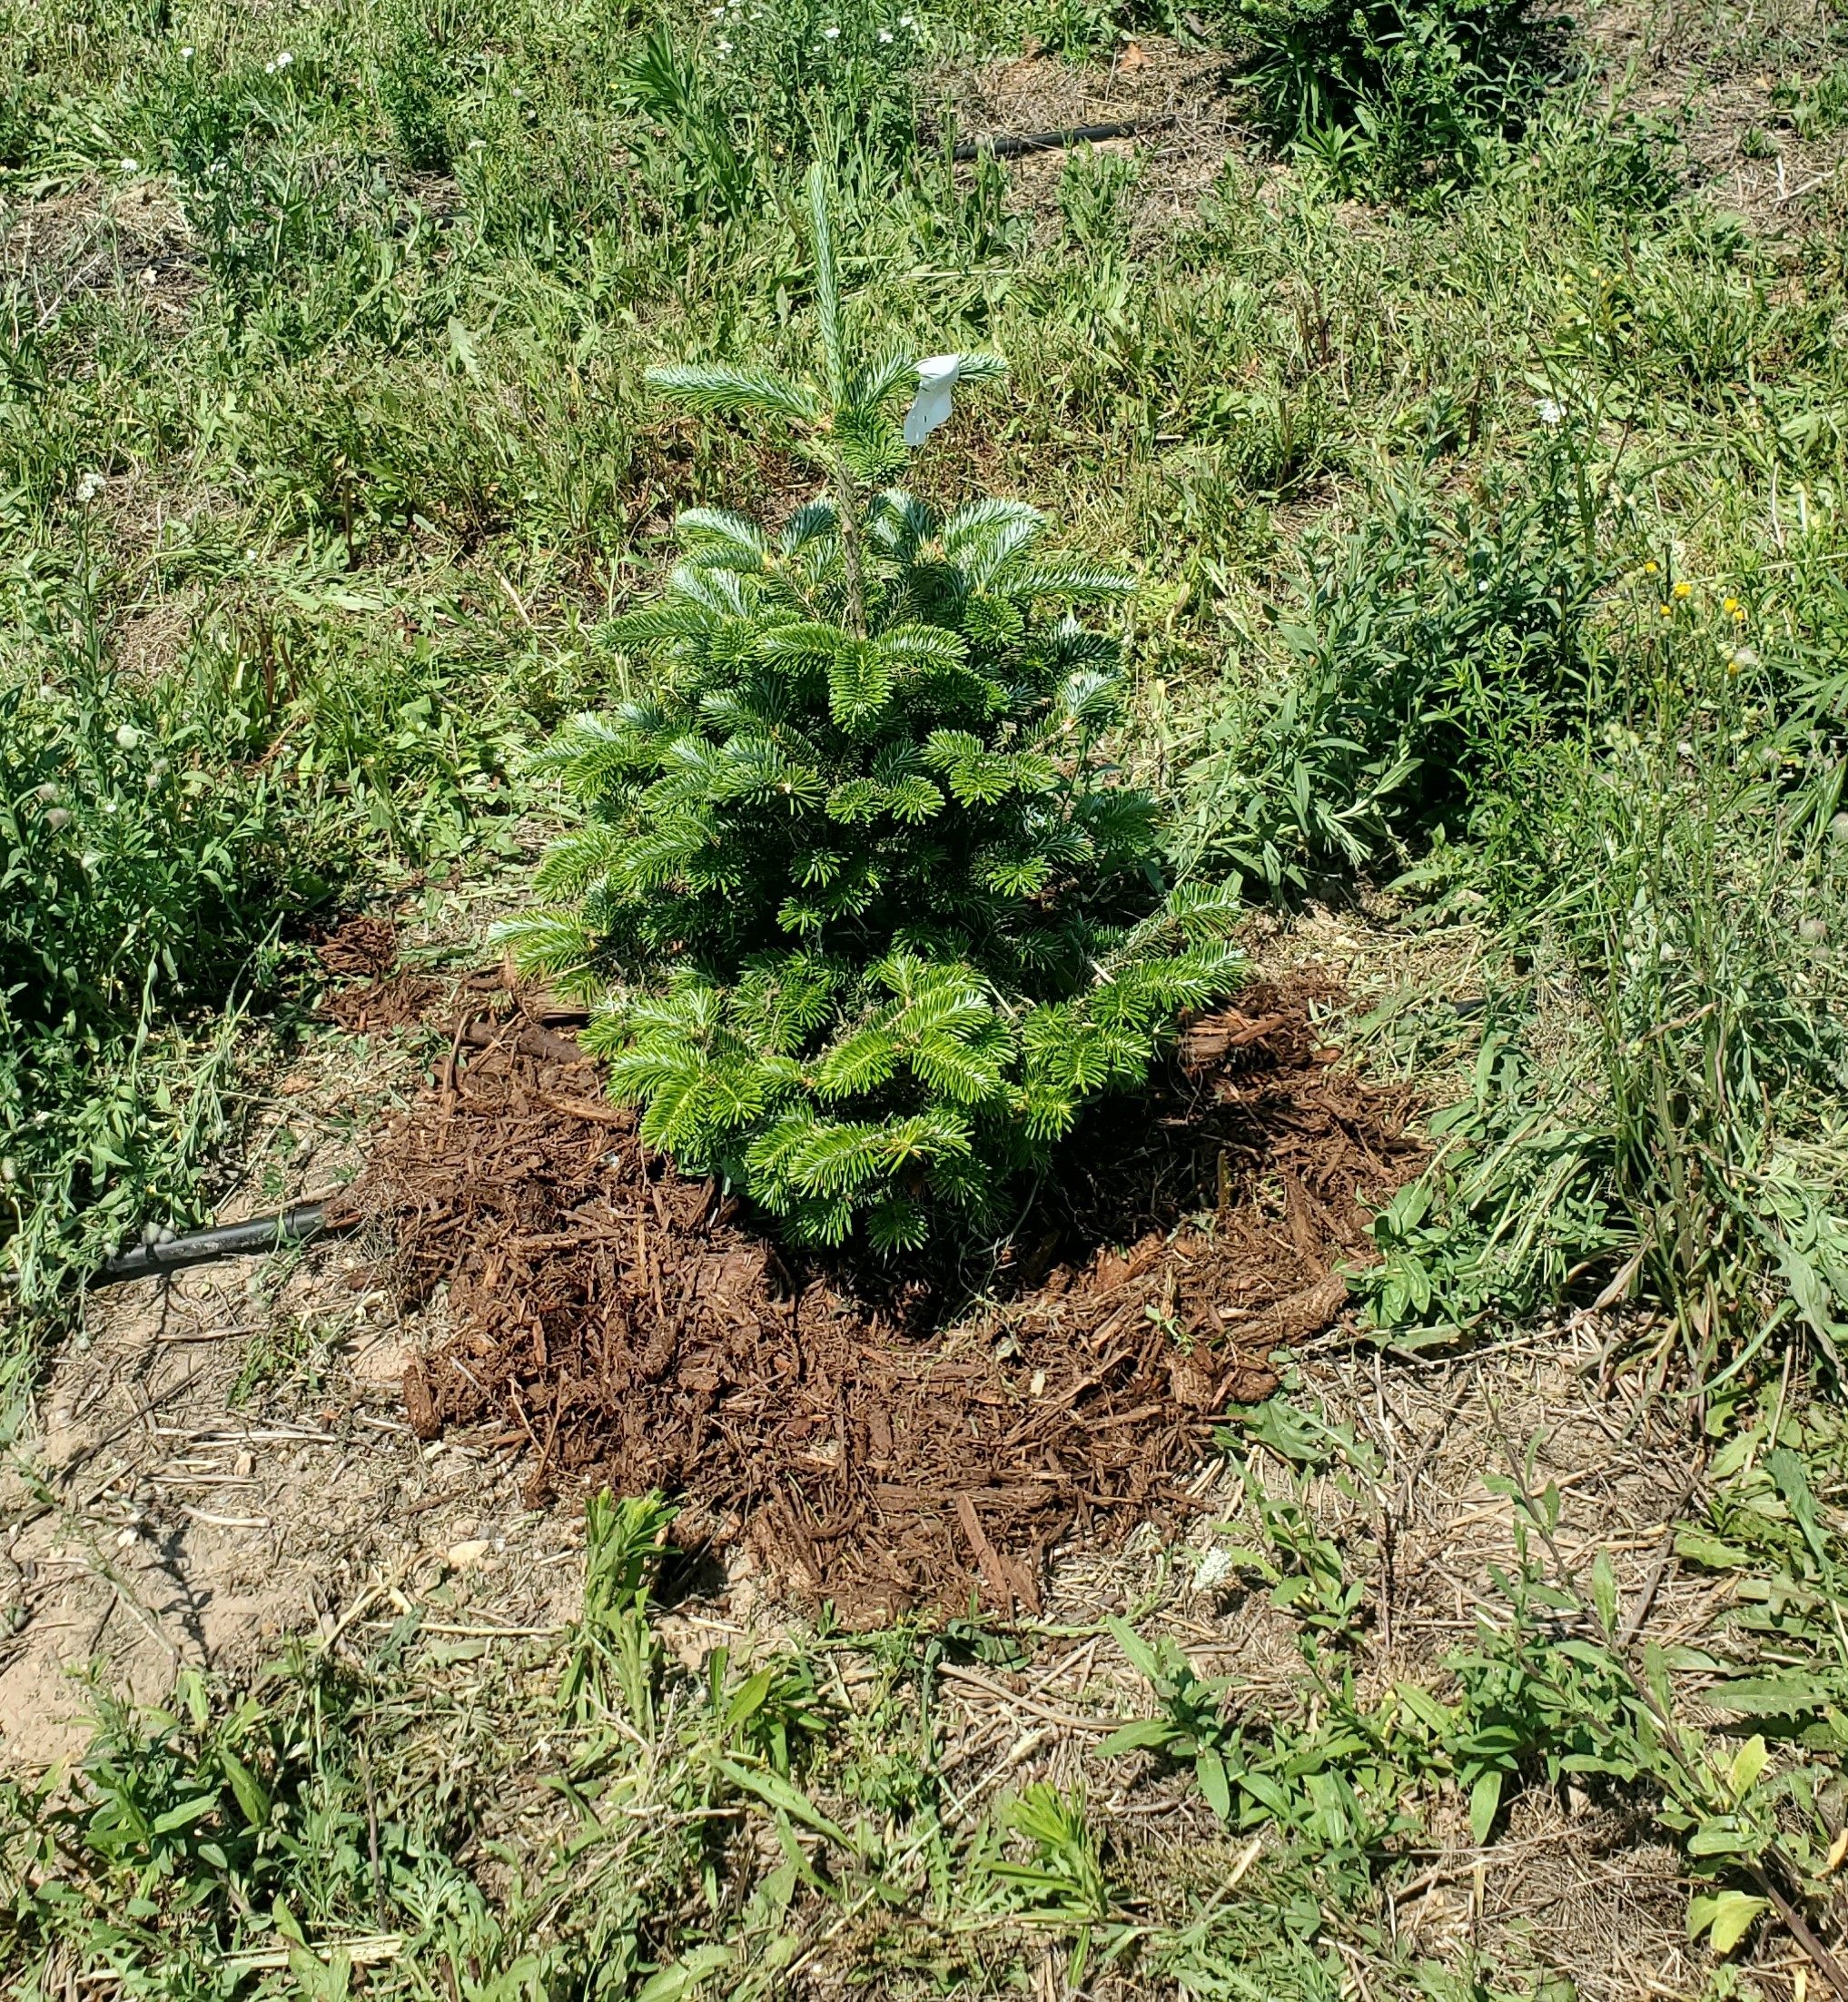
x: 624, y: 1325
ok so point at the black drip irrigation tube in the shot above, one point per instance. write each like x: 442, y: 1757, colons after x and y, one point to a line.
x: 298, y: 1226
x: 1011, y: 145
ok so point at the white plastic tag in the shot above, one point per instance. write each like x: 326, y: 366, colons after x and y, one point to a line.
x: 936, y: 377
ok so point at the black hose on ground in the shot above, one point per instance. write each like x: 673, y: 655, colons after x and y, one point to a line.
x: 1012, y: 146
x: 260, y: 1234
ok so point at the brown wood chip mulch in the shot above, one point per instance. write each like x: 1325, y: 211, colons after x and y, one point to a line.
x: 619, y: 1324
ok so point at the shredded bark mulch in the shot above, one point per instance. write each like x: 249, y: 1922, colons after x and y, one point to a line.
x: 363, y: 947
x: 620, y: 1324
x: 363, y: 953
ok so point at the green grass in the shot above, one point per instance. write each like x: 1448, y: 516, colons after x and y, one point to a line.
x: 1490, y: 547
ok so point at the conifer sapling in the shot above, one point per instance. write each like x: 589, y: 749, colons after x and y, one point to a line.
x: 867, y: 912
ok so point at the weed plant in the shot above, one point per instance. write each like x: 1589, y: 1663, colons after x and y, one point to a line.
x: 1402, y: 101
x: 1425, y: 660
x: 159, y: 855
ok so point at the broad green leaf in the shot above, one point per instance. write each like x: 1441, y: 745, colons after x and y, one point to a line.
x: 1213, y: 1784
x: 1726, y: 1918
x: 1748, y: 1763
x: 1485, y: 1800
x: 1791, y: 1694
x: 1267, y: 1793
x: 1604, y: 1592
x: 1699, y: 1548
x: 186, y: 1813
x: 1722, y: 1837
x: 1146, y: 1734
x: 776, y: 1792
x: 805, y: 1871
x: 252, y: 1798
x: 750, y: 1697
x: 1793, y: 1484
x: 1694, y: 1661
x: 671, y: 1984
x: 1655, y: 1677
x: 1141, y: 1655
x: 1421, y: 1704
x: 1737, y: 1910
x: 192, y: 1692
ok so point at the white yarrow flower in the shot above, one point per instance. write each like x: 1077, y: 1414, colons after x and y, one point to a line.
x: 1213, y: 1570
x: 128, y: 737
x: 89, y: 487
x: 828, y: 35
x: 1551, y: 411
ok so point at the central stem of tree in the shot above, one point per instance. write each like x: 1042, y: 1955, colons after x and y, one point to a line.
x: 847, y: 506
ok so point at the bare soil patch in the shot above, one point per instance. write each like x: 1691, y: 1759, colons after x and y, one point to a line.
x: 96, y: 238
x: 1181, y: 100
x: 614, y: 1322
x: 220, y: 1456
x: 1718, y: 75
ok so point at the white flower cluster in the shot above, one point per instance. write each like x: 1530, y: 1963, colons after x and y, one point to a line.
x: 280, y: 63
x: 1215, y: 1569
x: 733, y: 14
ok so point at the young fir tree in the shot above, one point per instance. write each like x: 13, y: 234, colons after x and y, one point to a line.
x: 867, y: 912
